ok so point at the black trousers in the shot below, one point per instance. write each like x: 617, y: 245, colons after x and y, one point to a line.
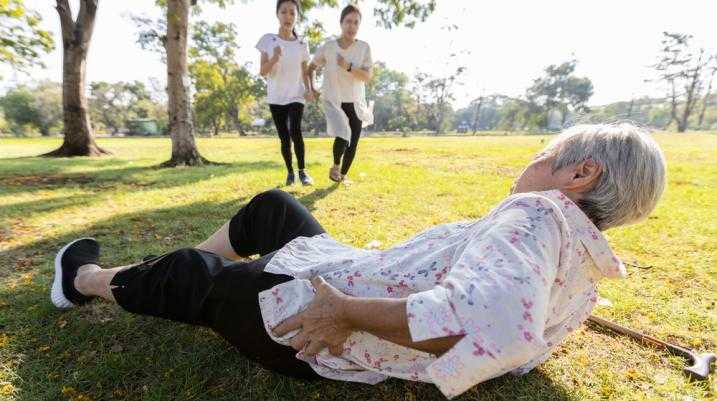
x: 202, y: 288
x: 343, y: 148
x: 287, y: 119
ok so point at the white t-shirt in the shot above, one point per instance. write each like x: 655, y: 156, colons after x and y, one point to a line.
x: 285, y: 83
x: 359, y: 54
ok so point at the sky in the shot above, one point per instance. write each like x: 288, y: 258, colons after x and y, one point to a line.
x: 504, y: 44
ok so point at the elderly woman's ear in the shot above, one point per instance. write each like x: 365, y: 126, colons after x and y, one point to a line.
x: 584, y: 176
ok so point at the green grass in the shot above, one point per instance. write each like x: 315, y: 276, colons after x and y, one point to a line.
x: 402, y: 185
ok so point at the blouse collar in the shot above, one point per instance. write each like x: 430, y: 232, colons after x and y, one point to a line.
x: 592, y: 238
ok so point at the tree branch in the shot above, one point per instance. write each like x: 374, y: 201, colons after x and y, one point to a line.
x: 66, y: 23
x: 86, y: 21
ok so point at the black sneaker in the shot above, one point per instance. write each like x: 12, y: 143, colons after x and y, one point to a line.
x: 305, y: 178
x: 71, y: 257
x: 290, y: 179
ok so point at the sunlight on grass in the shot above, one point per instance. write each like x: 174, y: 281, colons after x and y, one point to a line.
x: 401, y: 186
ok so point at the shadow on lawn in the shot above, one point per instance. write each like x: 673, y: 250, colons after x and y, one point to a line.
x: 104, y: 353
x: 309, y: 200
x: 27, y: 177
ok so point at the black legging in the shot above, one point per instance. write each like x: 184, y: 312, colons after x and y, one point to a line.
x: 287, y: 119
x: 341, y: 147
x: 202, y: 288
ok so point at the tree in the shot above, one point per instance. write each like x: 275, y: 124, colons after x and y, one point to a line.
x: 435, y: 96
x: 21, y: 39
x: 394, y: 105
x: 112, y: 104
x: 76, y: 37
x: 224, y: 90
x: 19, y: 109
x: 4, y: 126
x: 48, y: 101
x: 559, y: 90
x: 478, y: 108
x: 684, y: 70
x: 36, y: 108
x: 706, y: 98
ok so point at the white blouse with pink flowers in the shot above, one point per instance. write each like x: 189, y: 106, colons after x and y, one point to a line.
x: 514, y: 283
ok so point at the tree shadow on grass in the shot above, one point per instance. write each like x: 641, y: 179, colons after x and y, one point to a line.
x: 19, y: 180
x: 20, y: 209
x: 102, y: 352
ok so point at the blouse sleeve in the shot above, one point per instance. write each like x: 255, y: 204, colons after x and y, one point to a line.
x: 496, y: 295
x: 263, y: 44
x: 305, y: 55
x: 367, y: 61
x: 320, y: 56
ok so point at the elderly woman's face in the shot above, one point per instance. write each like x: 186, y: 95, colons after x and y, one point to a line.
x: 539, y: 175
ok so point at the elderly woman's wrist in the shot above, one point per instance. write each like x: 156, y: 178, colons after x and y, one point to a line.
x: 347, y: 311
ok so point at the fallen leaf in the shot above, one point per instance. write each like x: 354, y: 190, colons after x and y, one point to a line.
x: 604, y: 302
x: 373, y: 244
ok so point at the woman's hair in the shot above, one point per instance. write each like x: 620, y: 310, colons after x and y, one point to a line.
x: 633, y: 170
x: 298, y: 11
x: 348, y: 10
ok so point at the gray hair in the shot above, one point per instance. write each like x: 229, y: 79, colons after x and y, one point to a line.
x: 633, y: 170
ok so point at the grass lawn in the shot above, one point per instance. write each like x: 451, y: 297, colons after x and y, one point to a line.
x: 401, y: 186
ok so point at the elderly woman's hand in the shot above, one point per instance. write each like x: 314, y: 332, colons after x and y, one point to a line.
x: 322, y: 324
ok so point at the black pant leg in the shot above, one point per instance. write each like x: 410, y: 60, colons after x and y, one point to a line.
x: 356, y: 125
x: 172, y: 286
x: 280, y: 115
x: 200, y: 288
x: 268, y: 222
x: 340, y: 146
x: 296, y: 111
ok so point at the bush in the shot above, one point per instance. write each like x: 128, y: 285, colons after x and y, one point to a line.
x: 4, y: 126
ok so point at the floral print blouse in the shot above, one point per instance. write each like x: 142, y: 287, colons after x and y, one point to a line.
x: 514, y: 283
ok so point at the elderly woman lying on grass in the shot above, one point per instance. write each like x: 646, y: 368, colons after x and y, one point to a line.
x: 455, y: 305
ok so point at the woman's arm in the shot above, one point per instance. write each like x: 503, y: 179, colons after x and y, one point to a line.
x: 309, y: 76
x: 386, y: 318
x: 332, y: 316
x: 267, y: 64
x: 361, y: 74
x: 309, y: 93
x: 357, y: 72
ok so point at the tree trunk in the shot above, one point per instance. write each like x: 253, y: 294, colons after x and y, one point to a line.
x: 76, y: 36
x: 234, y: 118
x: 706, y: 99
x: 563, y: 117
x: 476, y: 120
x: 691, y: 97
x: 184, y: 147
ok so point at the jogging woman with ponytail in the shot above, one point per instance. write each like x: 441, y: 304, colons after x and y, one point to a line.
x: 284, y: 59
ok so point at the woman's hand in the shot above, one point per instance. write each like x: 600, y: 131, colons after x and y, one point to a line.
x: 322, y: 324
x: 277, y: 55
x: 309, y: 96
x: 342, y: 62
x: 312, y: 95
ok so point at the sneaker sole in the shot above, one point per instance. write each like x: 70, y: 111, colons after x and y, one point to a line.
x: 56, y: 294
